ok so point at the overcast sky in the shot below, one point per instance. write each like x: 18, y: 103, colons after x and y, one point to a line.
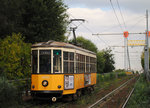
x: 100, y: 18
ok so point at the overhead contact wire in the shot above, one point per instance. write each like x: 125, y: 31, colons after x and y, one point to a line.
x: 121, y: 14
x: 91, y: 31
x: 116, y: 15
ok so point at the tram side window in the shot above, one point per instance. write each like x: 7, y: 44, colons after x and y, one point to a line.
x: 71, y: 57
x: 92, y: 64
x: 45, y: 61
x: 95, y: 65
x: 77, y: 67
x: 71, y: 67
x: 65, y: 67
x: 83, y: 63
x: 56, y: 61
x: 80, y: 63
x: 68, y: 62
x: 77, y: 63
x: 87, y: 65
x: 91, y: 68
x: 34, y: 61
x: 65, y: 54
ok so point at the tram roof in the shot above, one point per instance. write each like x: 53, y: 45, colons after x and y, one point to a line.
x: 59, y: 44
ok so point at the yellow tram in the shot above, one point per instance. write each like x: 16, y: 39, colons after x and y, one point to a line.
x: 60, y: 69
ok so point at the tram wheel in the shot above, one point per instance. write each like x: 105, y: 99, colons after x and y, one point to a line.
x: 79, y: 93
x: 74, y: 97
x: 90, y: 90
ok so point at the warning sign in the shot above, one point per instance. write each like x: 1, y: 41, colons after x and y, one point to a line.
x: 126, y: 34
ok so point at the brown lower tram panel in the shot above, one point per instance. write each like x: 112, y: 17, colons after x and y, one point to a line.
x: 119, y: 98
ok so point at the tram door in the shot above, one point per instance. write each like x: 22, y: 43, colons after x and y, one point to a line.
x: 57, y: 61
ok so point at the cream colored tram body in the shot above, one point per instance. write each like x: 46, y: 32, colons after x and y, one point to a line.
x: 60, y: 69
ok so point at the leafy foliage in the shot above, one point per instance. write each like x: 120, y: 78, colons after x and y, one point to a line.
x: 105, y: 61
x: 8, y: 94
x: 100, y: 62
x: 110, y: 76
x: 109, y: 61
x: 86, y: 44
x: 14, y: 57
x: 142, y: 59
x: 37, y: 20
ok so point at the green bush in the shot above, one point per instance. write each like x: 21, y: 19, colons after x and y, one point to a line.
x: 109, y: 76
x: 121, y: 74
x: 8, y: 94
x: 14, y: 57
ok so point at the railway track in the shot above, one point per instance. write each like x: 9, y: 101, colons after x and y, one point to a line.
x: 124, y: 105
x: 104, y: 100
x: 130, y: 94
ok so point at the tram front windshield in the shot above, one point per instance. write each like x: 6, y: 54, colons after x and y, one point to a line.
x: 57, y: 61
x: 45, y: 61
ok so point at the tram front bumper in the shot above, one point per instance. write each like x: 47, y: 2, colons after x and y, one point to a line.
x: 46, y: 94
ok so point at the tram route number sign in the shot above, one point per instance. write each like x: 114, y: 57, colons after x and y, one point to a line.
x: 69, y: 82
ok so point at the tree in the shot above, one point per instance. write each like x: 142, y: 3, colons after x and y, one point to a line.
x: 14, y: 57
x: 105, y: 61
x: 142, y: 59
x: 100, y: 62
x: 85, y: 43
x: 109, y: 61
x: 37, y: 20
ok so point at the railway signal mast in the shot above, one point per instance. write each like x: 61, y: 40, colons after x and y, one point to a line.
x: 146, y: 53
x: 126, y: 51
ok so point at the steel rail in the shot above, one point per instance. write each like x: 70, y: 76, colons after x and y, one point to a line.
x: 124, y: 105
x: 109, y: 94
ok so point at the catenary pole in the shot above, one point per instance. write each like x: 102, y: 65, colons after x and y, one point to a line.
x: 146, y: 58
x: 125, y: 54
x: 128, y: 57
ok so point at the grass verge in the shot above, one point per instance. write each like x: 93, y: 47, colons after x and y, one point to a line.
x: 141, y: 95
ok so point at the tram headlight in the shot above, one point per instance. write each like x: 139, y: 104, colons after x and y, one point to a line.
x: 45, y: 83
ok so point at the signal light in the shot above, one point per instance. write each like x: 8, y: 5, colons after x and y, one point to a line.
x: 57, y: 52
